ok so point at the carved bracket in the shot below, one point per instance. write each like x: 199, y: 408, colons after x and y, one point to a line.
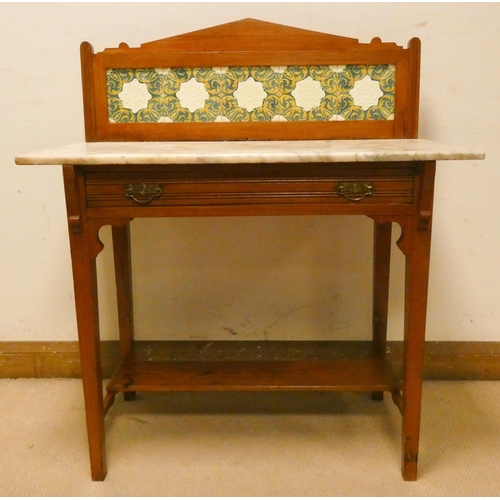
x: 95, y: 243
x: 404, y: 221
x: 426, y: 195
x: 72, y: 191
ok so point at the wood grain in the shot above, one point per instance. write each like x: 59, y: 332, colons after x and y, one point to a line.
x: 448, y: 360
x: 251, y: 43
x: 304, y: 375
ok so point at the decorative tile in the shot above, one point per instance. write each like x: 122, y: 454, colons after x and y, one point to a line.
x: 192, y: 95
x: 366, y: 93
x: 250, y: 94
x: 135, y: 95
x: 308, y: 94
x: 256, y: 93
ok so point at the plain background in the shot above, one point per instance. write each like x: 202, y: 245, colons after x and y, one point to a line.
x: 248, y: 278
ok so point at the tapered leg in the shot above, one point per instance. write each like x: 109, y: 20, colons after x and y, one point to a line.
x: 85, y: 283
x: 123, y: 277
x: 417, y: 274
x: 417, y: 279
x: 85, y: 246
x: 381, y: 267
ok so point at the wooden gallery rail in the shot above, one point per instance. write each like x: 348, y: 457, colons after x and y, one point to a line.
x: 251, y: 118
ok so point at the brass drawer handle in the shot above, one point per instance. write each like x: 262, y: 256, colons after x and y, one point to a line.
x: 143, y: 193
x: 355, y: 191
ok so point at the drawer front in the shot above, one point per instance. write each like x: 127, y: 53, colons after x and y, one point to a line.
x: 249, y: 187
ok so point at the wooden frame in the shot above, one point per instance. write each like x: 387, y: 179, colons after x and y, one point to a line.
x: 96, y: 195
x: 252, y: 43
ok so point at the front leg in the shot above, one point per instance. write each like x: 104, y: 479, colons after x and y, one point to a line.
x: 85, y: 246
x: 417, y: 253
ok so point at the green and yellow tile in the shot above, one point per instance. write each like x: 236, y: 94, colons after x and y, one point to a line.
x: 251, y: 94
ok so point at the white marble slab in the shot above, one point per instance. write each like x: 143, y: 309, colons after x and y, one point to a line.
x: 147, y: 153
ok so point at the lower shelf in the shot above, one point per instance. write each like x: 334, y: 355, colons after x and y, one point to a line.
x: 309, y: 375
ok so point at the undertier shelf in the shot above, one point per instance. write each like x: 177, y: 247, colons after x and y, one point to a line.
x: 244, y: 375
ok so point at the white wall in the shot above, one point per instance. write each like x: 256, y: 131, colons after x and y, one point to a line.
x: 248, y: 278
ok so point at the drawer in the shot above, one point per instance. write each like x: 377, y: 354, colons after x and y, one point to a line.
x: 249, y: 185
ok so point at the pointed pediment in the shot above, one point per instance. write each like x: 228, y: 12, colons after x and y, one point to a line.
x: 252, y: 34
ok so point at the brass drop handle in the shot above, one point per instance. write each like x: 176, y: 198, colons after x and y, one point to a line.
x: 143, y: 193
x: 355, y: 191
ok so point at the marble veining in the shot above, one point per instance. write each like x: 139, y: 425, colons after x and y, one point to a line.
x: 147, y: 153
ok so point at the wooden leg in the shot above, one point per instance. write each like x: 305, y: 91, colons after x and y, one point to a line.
x: 85, y: 283
x: 381, y: 267
x: 123, y: 277
x: 85, y: 246
x: 417, y: 279
x: 417, y: 273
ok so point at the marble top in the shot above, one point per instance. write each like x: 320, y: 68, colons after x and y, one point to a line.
x: 130, y: 153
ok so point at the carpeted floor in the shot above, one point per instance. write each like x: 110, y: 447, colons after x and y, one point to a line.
x: 245, y: 444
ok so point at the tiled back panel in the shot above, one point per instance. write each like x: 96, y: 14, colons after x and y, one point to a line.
x: 251, y: 94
